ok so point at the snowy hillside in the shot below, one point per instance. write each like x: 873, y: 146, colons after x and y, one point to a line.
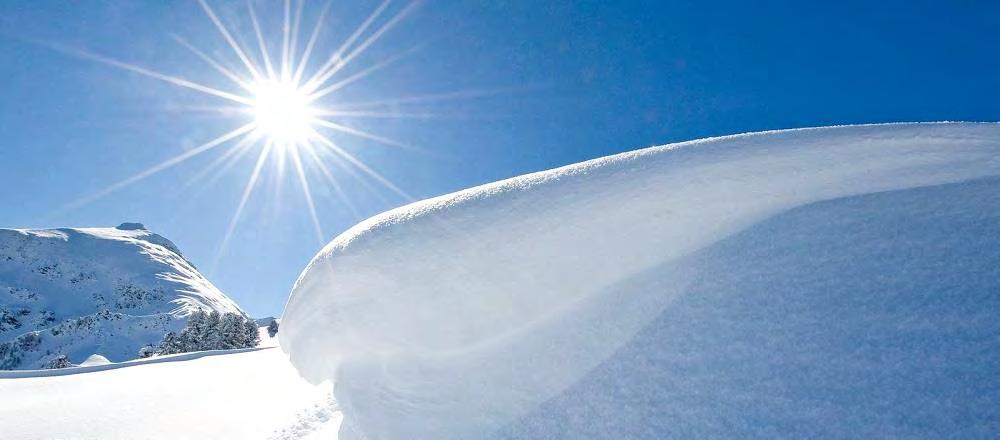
x: 833, y: 282
x: 106, y: 291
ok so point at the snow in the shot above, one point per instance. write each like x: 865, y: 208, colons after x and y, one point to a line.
x: 837, y: 281
x: 83, y: 291
x: 247, y: 395
x: 265, y: 338
x: 94, y: 360
x: 80, y: 369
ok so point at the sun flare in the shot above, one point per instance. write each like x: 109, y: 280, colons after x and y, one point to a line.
x: 283, y: 92
x: 282, y: 112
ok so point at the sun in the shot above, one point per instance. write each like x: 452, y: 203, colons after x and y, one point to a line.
x: 284, y: 89
x: 282, y: 112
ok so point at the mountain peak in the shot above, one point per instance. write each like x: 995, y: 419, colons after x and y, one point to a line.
x: 131, y: 226
x: 84, y: 291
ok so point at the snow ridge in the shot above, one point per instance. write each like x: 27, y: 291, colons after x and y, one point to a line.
x: 518, y: 289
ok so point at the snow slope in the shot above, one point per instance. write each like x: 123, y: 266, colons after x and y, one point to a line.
x: 249, y: 395
x: 727, y: 287
x: 106, y: 291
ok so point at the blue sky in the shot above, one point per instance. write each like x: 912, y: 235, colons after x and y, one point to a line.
x: 540, y: 85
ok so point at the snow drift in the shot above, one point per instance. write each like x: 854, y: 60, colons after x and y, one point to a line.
x: 105, y: 291
x: 693, y: 289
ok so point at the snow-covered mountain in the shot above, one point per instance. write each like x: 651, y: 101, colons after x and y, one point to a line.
x: 107, y: 291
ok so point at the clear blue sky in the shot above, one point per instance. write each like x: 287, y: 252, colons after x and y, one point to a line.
x: 571, y: 81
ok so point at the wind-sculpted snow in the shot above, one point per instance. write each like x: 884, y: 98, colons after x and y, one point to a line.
x: 528, y: 306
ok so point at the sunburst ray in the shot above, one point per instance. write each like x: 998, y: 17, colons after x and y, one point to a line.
x: 212, y: 62
x: 343, y: 62
x: 311, y: 43
x: 221, y: 164
x: 162, y: 166
x: 307, y: 194
x: 247, y: 191
x: 262, y: 45
x: 335, y: 158
x: 337, y: 54
x: 364, y: 134
x: 175, y: 80
x: 363, y: 73
x: 362, y: 114
x: 361, y: 165
x: 229, y: 39
x: 424, y: 98
x: 286, y: 30
x: 293, y: 45
x: 317, y: 162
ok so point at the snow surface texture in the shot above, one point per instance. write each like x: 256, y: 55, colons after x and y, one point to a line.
x: 734, y: 286
x: 248, y: 395
x: 106, y: 291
